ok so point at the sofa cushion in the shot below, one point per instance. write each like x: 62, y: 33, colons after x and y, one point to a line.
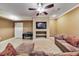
x: 73, y: 40
x: 9, y: 51
x: 25, y: 48
x: 60, y: 37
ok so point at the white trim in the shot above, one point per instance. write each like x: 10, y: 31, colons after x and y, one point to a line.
x: 68, y: 10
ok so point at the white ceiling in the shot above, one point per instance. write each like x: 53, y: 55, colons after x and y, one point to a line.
x: 20, y: 10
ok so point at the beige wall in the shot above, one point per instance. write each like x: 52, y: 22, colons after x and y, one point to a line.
x: 28, y: 26
x: 52, y: 27
x: 69, y: 23
x: 6, y: 28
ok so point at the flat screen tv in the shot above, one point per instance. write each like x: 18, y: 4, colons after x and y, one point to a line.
x: 41, y: 25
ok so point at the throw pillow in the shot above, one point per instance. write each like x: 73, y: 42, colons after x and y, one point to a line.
x: 9, y: 51
x: 73, y: 40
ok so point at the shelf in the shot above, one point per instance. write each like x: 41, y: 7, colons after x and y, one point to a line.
x: 41, y: 29
x: 40, y: 32
x: 40, y: 36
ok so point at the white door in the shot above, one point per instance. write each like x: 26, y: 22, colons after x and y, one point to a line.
x: 18, y: 30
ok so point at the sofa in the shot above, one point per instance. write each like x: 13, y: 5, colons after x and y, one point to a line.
x: 21, y: 50
x: 27, y: 49
x: 67, y: 43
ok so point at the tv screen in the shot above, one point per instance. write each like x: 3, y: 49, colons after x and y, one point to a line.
x: 41, y: 25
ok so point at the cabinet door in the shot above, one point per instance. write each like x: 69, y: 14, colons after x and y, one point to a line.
x: 18, y: 30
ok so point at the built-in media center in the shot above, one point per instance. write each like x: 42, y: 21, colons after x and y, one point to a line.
x: 40, y: 28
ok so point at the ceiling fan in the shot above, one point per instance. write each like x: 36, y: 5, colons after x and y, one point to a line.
x: 41, y: 8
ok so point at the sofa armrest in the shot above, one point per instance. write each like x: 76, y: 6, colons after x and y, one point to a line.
x: 64, y: 46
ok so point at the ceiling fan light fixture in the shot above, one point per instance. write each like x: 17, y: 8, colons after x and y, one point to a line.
x: 39, y: 4
x: 40, y: 9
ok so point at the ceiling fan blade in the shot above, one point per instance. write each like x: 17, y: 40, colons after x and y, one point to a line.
x: 31, y: 8
x: 49, y: 6
x: 45, y: 13
x: 37, y: 14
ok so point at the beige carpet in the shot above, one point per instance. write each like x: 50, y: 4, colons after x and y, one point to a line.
x: 46, y: 45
